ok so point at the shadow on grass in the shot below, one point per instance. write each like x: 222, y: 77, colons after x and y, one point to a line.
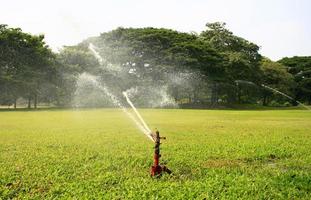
x: 33, y: 109
x: 269, y: 159
x: 239, y: 107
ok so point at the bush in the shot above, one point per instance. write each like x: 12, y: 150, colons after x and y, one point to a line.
x: 275, y: 103
x: 287, y: 104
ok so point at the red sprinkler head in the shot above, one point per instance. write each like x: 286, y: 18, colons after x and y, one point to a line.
x: 156, y: 169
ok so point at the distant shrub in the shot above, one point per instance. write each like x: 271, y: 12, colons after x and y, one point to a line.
x: 275, y: 103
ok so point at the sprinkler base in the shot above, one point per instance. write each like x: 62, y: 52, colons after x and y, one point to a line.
x: 157, y: 170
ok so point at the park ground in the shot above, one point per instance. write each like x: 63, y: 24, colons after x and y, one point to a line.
x: 100, y: 154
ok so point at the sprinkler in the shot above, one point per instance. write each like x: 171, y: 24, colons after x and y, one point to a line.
x: 156, y: 169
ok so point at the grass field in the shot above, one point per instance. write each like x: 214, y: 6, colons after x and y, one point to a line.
x: 94, y: 154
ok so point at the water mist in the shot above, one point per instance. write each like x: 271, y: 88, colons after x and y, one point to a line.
x: 140, y: 123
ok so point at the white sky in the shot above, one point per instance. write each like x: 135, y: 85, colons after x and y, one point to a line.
x: 281, y: 27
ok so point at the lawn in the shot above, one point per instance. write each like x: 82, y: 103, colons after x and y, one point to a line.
x: 100, y: 154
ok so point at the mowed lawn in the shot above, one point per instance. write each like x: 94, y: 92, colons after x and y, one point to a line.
x: 100, y: 154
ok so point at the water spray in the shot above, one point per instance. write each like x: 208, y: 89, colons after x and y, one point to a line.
x: 285, y: 95
x: 114, y: 99
x: 95, y: 53
x: 156, y: 169
x: 144, y: 128
x: 272, y: 89
x: 137, y: 113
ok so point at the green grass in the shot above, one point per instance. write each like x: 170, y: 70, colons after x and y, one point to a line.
x: 99, y: 154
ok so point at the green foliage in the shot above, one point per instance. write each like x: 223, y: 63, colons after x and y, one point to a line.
x: 162, y: 49
x: 242, y: 57
x: 241, y: 62
x: 71, y: 62
x: 77, y: 59
x: 26, y: 63
x: 300, y: 68
x: 216, y: 61
x: 275, y: 75
x: 99, y: 154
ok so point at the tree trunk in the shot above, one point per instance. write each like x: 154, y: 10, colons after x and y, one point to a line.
x: 15, y: 100
x: 175, y: 94
x: 214, y: 96
x: 35, y: 101
x: 239, y: 94
x: 196, y: 94
x: 264, y: 100
x: 29, y: 103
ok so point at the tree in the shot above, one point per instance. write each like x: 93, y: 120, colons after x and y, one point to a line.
x: 194, y: 68
x: 71, y: 62
x: 26, y: 63
x: 162, y: 49
x: 300, y: 68
x: 241, y: 57
x: 276, y: 76
x: 148, y: 56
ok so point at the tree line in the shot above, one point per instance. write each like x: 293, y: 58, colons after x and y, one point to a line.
x: 211, y: 68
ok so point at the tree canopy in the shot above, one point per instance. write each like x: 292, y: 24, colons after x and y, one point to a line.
x: 26, y: 64
x: 300, y: 68
x: 212, y: 68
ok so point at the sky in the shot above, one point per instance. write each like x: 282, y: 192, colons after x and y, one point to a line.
x: 282, y: 28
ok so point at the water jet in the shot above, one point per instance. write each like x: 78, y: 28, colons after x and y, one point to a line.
x: 156, y: 169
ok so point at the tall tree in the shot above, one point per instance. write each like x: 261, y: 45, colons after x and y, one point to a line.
x: 72, y: 61
x: 300, y: 68
x: 150, y: 54
x: 26, y: 63
x: 276, y: 76
x: 241, y: 56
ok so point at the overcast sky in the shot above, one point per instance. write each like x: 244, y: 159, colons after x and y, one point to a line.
x: 280, y: 27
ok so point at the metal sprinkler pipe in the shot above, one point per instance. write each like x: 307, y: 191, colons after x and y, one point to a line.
x: 157, y: 169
